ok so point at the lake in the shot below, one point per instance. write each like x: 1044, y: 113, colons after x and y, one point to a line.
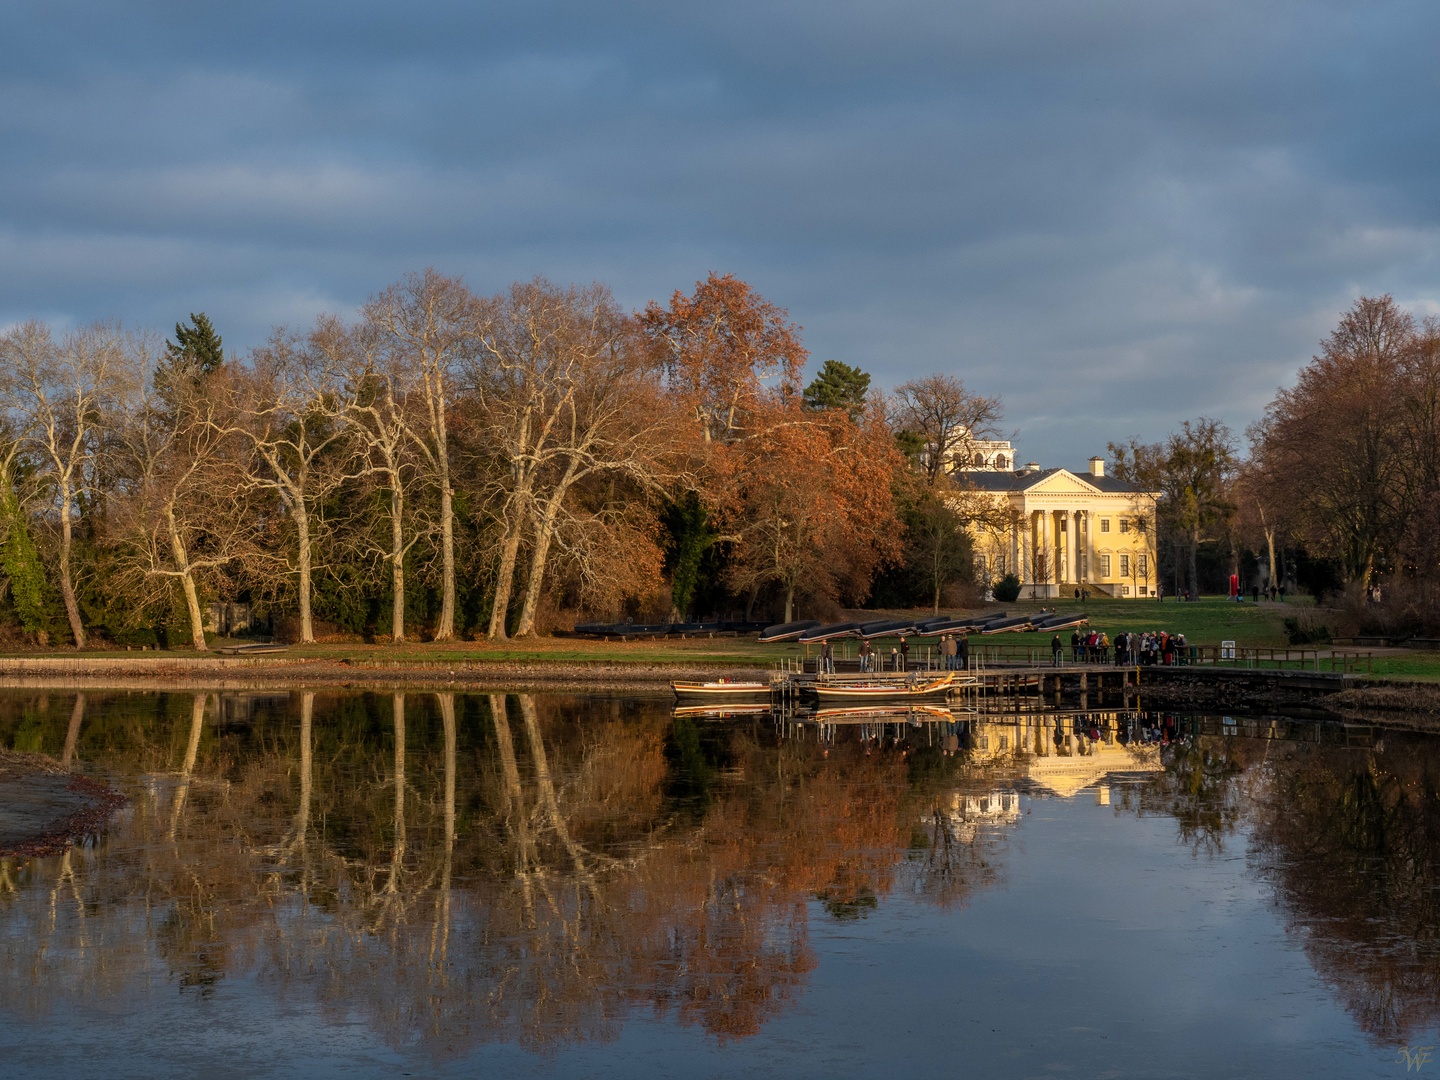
x: 367, y: 884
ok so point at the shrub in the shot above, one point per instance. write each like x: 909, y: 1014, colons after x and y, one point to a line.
x: 1007, y: 589
x: 136, y: 635
x: 1306, y: 633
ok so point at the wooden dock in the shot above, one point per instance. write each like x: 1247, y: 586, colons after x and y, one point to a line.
x: 794, y: 678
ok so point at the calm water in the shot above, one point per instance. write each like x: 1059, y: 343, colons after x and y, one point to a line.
x: 433, y: 885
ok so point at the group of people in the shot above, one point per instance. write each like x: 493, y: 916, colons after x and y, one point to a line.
x: 954, y: 652
x: 954, y: 655
x: 1149, y: 647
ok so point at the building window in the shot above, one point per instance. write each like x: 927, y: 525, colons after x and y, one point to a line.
x: 1104, y: 565
x: 1124, y: 565
x: 1124, y: 525
x: 1104, y: 524
x: 1144, y: 565
x: 1000, y: 565
x: 1004, y: 742
x: 1124, y: 590
x: 980, y: 564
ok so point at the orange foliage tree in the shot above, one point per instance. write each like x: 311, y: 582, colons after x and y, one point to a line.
x: 808, y: 500
x: 805, y: 495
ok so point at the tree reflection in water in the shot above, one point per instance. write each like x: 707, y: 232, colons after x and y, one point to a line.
x: 1351, y: 842
x: 1349, y: 839
x: 454, y: 870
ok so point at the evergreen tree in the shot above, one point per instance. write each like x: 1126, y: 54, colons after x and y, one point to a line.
x: 838, y: 386
x: 193, y: 354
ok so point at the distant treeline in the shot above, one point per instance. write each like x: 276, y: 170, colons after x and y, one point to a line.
x: 1337, y: 490
x: 447, y: 464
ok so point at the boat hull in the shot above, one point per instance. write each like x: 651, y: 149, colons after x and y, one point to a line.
x: 929, y: 690
x: 721, y: 691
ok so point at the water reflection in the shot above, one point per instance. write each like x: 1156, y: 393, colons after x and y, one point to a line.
x: 453, y: 870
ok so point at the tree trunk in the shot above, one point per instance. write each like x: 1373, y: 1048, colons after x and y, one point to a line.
x: 192, y: 749
x: 548, y: 802
x: 307, y: 717
x: 504, y: 577
x: 447, y: 721
x: 67, y: 589
x: 544, y: 533
x: 187, y: 581
x: 789, y: 604
x: 72, y: 734
x: 1270, y: 543
x: 1195, y: 564
x: 446, y: 630
x: 397, y: 850
x: 302, y: 527
x: 397, y: 564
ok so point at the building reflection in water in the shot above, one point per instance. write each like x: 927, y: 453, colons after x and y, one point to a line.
x: 460, y: 869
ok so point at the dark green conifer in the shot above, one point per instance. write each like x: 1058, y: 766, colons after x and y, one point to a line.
x: 194, y: 353
x: 838, y: 386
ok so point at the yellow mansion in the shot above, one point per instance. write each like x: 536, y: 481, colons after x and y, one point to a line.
x: 1058, y: 530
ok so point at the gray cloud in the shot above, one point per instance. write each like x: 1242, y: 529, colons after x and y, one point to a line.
x: 1115, y: 214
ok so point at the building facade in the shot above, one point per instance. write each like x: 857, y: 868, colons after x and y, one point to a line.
x: 1063, y: 530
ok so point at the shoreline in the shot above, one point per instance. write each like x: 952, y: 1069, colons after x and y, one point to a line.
x: 245, y: 673
x: 45, y: 807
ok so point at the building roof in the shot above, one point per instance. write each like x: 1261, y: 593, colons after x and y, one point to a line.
x: 1024, y: 479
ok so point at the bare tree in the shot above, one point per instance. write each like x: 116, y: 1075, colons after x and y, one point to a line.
x: 1193, y: 470
x: 561, y: 394
x: 186, y: 512
x: 428, y: 324
x: 62, y: 395
x: 947, y: 418
x: 373, y: 411
x: 284, y: 410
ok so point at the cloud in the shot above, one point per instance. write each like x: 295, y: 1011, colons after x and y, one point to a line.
x: 1115, y: 214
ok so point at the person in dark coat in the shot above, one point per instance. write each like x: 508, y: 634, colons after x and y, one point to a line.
x: 1056, y: 648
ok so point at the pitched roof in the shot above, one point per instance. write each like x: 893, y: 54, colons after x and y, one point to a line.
x: 1023, y: 480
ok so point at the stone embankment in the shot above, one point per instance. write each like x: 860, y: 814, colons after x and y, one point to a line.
x: 247, y: 673
x: 1412, y: 705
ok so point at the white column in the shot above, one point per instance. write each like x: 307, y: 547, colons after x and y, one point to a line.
x: 1072, y: 565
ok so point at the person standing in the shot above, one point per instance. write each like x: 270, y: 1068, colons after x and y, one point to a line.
x: 1077, y: 646
x: 962, y: 653
x: 867, y: 655
x: 904, y: 654
x: 1056, y: 648
x: 827, y: 658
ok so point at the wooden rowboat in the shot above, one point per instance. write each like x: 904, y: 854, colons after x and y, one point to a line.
x: 721, y: 690
x: 919, y: 690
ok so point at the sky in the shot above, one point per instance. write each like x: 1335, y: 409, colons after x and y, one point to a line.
x: 1115, y: 215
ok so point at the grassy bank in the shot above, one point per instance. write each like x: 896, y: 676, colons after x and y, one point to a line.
x: 1205, y: 622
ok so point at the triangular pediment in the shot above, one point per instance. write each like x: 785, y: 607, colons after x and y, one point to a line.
x: 1061, y: 482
